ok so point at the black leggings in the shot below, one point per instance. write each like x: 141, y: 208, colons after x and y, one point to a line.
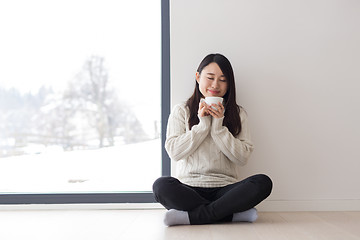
x: 212, y: 205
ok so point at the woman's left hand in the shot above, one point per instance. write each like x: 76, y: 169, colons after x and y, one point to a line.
x: 216, y: 110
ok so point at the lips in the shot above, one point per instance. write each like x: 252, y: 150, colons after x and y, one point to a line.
x: 213, y: 92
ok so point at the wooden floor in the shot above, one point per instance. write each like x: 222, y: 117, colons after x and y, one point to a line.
x: 147, y: 224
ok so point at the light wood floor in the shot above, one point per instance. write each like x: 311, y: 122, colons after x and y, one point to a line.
x: 147, y: 224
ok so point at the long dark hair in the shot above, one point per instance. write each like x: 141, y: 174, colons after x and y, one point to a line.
x: 232, y: 114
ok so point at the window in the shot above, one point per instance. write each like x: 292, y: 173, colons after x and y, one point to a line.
x: 82, y: 120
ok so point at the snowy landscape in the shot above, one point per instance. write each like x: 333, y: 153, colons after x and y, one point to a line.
x: 80, y: 107
x: 130, y: 167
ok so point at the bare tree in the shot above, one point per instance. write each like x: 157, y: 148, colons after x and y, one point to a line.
x: 93, y: 96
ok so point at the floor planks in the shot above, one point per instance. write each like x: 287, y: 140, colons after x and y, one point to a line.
x: 147, y: 224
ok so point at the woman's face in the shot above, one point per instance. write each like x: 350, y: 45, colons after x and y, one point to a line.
x: 212, y: 82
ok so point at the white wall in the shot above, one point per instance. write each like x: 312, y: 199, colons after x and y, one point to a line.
x: 297, y: 70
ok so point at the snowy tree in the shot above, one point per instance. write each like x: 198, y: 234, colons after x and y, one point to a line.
x: 89, y: 113
x: 18, y: 122
x: 98, y: 105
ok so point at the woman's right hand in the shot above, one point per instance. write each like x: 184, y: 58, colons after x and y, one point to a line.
x: 203, y: 109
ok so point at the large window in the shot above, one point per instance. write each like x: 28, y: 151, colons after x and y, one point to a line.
x: 84, y: 96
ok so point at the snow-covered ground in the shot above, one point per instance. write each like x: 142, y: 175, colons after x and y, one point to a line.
x: 132, y: 167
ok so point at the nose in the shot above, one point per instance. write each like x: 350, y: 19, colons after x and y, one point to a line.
x: 215, y: 83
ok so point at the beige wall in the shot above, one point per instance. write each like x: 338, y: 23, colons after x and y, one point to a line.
x: 297, y: 70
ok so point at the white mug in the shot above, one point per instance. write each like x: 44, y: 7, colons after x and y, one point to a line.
x: 213, y: 100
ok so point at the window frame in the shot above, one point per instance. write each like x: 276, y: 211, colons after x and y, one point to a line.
x: 121, y: 197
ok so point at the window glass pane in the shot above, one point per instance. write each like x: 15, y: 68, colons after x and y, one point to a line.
x: 80, y: 102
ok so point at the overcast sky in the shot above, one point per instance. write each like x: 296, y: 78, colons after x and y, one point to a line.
x: 47, y: 42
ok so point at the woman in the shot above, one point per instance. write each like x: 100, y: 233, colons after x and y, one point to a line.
x: 209, y: 145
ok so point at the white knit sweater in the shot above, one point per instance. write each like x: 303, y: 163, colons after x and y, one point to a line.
x: 208, y: 155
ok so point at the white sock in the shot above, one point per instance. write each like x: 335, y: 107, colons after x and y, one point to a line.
x: 176, y: 217
x: 246, y: 216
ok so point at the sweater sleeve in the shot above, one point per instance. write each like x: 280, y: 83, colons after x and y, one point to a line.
x: 180, y: 143
x: 237, y: 149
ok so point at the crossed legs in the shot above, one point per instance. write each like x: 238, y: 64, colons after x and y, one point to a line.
x: 211, y: 205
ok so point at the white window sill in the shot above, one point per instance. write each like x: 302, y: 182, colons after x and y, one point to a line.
x: 111, y: 206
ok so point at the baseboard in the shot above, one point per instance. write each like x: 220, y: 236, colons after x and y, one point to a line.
x: 309, y: 205
x: 266, y: 206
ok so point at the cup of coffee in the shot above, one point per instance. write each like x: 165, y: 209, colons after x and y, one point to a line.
x: 213, y: 100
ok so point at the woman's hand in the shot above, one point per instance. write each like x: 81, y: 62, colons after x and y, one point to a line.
x: 216, y: 110
x: 203, y: 109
